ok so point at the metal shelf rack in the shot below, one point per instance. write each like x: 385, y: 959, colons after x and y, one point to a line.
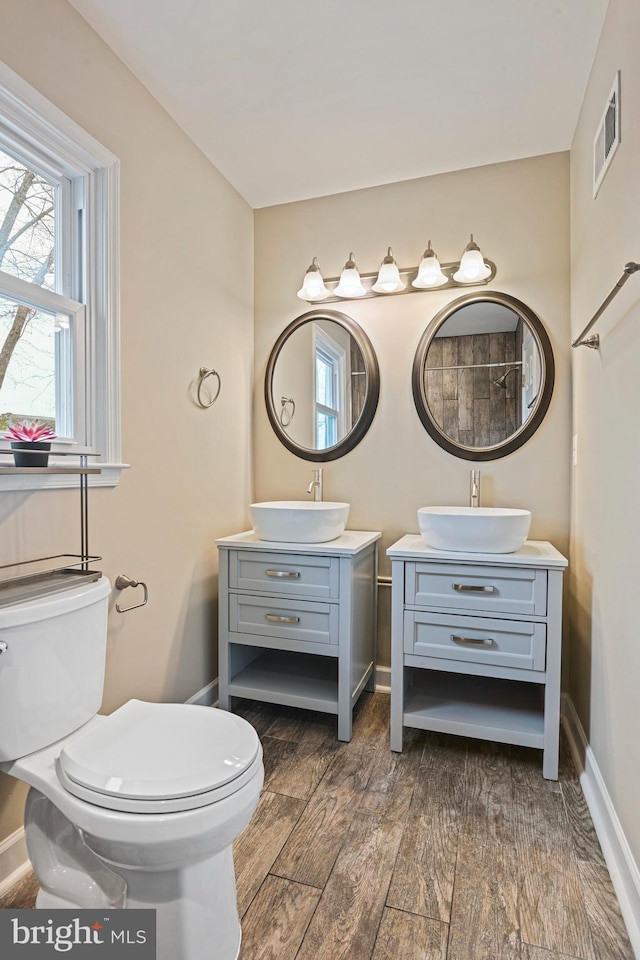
x: 20, y: 581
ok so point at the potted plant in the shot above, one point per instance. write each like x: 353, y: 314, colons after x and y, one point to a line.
x: 31, y: 443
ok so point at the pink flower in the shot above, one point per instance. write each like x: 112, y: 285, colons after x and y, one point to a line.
x: 29, y: 431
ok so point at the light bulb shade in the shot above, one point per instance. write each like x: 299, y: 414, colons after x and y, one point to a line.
x: 350, y: 285
x: 388, y: 276
x: 313, y: 287
x: 472, y: 267
x: 429, y: 272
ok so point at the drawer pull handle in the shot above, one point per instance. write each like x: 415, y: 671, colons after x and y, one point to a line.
x: 272, y: 618
x: 473, y: 588
x: 474, y: 641
x: 285, y: 574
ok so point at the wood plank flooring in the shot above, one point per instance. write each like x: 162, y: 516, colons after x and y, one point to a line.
x: 453, y: 850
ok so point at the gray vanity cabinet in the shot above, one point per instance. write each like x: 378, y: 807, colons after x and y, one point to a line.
x: 297, y: 622
x: 476, y: 643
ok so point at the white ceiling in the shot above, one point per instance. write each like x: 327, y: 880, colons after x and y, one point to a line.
x: 292, y: 100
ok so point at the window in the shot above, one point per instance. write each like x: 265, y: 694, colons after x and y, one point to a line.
x: 58, y: 278
x: 330, y: 395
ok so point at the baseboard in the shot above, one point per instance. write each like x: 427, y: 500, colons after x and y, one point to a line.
x: 624, y: 871
x: 207, y: 697
x: 14, y: 861
x: 383, y: 679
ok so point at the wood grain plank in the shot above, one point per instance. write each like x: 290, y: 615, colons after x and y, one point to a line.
x: 488, y: 792
x: 294, y: 769
x: 314, y: 844
x: 484, y: 916
x: 303, y: 726
x: 550, y: 901
x: 539, y: 953
x: 424, y: 873
x: 259, y: 715
x: 584, y: 838
x: 23, y: 895
x: 346, y: 920
x: 370, y: 724
x: 276, y: 921
x: 392, y: 779
x: 403, y: 936
x: 442, y: 773
x: 256, y: 849
x: 610, y: 938
x: 551, y: 905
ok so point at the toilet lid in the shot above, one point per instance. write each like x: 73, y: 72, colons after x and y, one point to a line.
x: 160, y: 751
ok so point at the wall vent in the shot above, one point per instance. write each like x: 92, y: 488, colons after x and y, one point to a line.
x: 607, y: 138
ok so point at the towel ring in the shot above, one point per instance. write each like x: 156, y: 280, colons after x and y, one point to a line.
x: 202, y: 376
x: 288, y: 410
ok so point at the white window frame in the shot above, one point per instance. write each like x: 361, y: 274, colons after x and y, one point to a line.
x: 325, y: 344
x: 50, y: 139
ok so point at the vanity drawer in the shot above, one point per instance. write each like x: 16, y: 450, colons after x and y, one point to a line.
x: 292, y: 619
x: 504, y: 643
x: 285, y: 574
x: 480, y: 588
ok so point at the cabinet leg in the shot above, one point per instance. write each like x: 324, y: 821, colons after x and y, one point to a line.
x: 345, y: 721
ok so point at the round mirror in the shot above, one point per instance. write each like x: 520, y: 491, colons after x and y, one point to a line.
x: 483, y: 376
x: 322, y: 385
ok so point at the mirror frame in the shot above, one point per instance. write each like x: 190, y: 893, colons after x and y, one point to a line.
x: 357, y: 432
x: 526, y: 431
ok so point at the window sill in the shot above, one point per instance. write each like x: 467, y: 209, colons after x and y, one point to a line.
x: 16, y: 479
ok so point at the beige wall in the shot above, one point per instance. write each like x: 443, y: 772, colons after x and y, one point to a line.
x: 519, y: 213
x: 186, y: 301
x: 605, y: 661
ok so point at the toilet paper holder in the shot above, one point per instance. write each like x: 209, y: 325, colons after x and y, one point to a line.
x: 122, y: 582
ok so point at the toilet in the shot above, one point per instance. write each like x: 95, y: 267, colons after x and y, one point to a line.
x: 137, y: 809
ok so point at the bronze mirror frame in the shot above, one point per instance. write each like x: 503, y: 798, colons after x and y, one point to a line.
x: 526, y: 431
x: 360, y: 428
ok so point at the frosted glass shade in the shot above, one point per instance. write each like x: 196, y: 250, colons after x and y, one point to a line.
x: 350, y: 285
x: 388, y: 276
x: 313, y: 287
x: 472, y: 267
x: 429, y: 272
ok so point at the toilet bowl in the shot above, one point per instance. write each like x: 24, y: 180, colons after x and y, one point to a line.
x: 136, y: 809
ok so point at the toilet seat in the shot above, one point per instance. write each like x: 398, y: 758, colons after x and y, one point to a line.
x: 160, y: 758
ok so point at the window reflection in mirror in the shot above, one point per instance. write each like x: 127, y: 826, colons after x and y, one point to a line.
x: 321, y: 386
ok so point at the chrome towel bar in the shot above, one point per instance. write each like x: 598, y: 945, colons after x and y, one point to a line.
x: 594, y: 340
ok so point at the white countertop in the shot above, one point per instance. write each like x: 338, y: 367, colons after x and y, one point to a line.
x: 533, y: 553
x: 346, y: 545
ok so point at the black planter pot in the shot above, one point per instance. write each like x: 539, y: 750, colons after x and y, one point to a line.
x: 28, y: 453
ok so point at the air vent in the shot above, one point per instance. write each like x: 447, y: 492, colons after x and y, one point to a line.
x: 607, y: 138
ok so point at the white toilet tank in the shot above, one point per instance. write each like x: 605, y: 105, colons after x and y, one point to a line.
x: 52, y: 669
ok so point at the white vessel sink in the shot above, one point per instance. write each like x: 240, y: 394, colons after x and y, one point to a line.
x: 474, y: 529
x: 299, y: 521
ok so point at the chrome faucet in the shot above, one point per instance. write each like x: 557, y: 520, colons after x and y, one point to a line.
x: 316, y: 484
x: 474, y: 490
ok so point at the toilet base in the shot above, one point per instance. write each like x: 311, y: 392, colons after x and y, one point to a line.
x: 195, y: 903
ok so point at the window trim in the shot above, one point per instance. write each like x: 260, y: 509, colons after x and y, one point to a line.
x: 46, y: 134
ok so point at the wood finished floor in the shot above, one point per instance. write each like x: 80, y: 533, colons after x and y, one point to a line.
x: 453, y: 850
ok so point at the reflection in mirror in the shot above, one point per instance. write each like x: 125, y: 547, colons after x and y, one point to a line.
x: 483, y: 376
x: 321, y: 387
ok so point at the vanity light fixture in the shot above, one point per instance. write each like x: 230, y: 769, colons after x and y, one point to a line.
x: 313, y: 287
x: 388, y: 276
x: 429, y: 272
x: 391, y: 279
x: 472, y: 266
x: 350, y: 285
